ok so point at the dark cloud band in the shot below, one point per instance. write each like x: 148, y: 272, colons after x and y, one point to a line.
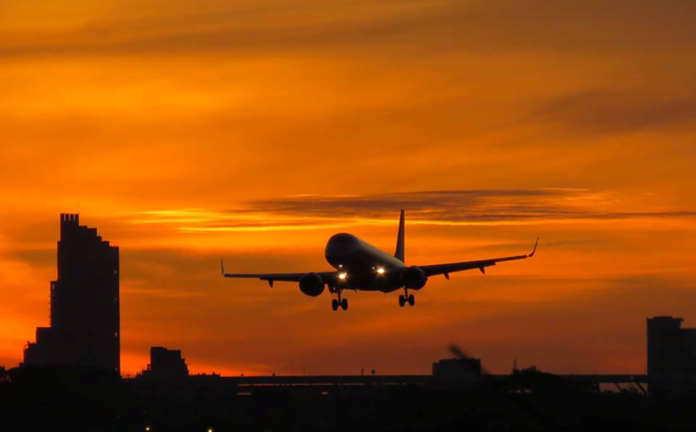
x: 437, y: 207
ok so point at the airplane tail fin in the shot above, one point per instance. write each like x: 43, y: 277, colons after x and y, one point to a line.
x: 400, y: 240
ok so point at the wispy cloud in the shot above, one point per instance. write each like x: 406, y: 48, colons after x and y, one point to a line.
x: 266, y: 28
x: 448, y: 207
x: 477, y: 26
x: 617, y: 112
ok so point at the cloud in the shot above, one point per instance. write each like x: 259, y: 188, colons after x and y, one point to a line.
x: 455, y: 207
x: 476, y: 26
x: 615, y: 112
x: 249, y: 30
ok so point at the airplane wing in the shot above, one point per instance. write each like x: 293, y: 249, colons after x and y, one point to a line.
x: 446, y: 269
x: 329, y: 277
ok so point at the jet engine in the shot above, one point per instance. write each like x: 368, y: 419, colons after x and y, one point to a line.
x: 312, y: 284
x: 414, y: 278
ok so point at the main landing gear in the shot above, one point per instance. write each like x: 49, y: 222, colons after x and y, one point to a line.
x: 336, y: 303
x: 407, y: 298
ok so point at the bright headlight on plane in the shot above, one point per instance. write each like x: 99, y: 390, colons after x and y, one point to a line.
x: 342, y: 276
x: 380, y: 270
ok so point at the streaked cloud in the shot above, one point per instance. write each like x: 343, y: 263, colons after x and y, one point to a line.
x: 307, y: 26
x: 453, y: 207
x: 602, y: 112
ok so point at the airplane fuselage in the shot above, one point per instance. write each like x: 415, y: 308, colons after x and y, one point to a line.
x: 365, y: 267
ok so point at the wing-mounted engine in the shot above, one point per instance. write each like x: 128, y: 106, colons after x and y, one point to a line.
x: 414, y: 278
x: 312, y: 285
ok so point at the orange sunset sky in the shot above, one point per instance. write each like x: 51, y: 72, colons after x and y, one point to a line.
x: 186, y: 131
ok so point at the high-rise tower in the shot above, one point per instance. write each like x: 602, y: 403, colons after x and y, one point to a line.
x: 85, y: 317
x: 671, y: 349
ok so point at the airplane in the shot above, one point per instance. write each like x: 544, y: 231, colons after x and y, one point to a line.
x: 360, y: 266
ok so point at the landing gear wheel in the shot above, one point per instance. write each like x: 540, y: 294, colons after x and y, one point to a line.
x: 411, y: 300
x: 334, y: 305
x: 402, y: 300
x: 344, y: 304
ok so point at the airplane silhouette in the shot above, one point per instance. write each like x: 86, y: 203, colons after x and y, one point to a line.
x: 361, y: 266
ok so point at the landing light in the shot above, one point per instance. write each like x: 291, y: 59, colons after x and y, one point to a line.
x: 342, y: 276
x: 380, y: 270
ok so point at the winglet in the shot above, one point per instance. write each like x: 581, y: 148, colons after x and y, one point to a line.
x: 222, y: 267
x: 535, y: 248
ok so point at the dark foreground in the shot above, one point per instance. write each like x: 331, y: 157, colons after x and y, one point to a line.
x: 40, y: 400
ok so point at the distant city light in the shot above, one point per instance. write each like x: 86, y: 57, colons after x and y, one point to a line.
x: 380, y: 270
x: 342, y: 276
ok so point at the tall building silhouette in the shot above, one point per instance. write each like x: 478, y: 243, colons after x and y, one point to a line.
x: 671, y: 349
x: 85, y: 317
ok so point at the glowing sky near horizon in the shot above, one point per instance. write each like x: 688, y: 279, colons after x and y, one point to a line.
x: 188, y: 131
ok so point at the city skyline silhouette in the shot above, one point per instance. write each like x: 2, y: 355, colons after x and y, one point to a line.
x: 86, y: 294
x: 85, y: 325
